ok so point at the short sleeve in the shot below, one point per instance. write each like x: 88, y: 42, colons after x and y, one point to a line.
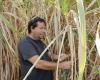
x: 27, y: 50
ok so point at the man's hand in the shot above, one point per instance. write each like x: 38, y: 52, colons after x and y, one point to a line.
x: 62, y: 57
x: 65, y: 65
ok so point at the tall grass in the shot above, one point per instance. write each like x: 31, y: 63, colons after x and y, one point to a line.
x: 82, y: 38
x: 59, y: 14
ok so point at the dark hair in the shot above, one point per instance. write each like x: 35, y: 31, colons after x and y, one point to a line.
x: 33, y: 23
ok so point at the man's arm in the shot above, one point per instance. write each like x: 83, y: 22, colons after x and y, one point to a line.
x: 55, y: 56
x: 46, y: 65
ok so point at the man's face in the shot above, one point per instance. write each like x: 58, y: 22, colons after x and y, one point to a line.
x: 39, y: 31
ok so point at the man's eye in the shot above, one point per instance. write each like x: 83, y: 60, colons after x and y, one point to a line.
x: 41, y: 28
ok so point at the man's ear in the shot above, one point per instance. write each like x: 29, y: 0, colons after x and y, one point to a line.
x: 32, y: 30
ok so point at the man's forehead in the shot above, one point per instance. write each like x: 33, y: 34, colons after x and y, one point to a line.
x: 41, y: 24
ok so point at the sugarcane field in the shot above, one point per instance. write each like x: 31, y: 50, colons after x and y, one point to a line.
x: 49, y: 39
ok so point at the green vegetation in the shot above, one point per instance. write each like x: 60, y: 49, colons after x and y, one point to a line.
x: 76, y: 19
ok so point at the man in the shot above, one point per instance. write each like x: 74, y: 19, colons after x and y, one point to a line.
x: 29, y: 50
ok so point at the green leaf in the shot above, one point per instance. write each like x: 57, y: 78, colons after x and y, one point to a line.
x: 1, y: 36
x: 64, y: 4
x: 82, y: 38
x: 7, y: 23
x: 98, y: 2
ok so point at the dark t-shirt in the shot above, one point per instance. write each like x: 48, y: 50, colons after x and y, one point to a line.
x: 28, y: 48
